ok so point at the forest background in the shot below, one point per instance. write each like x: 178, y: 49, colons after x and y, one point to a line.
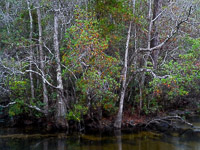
x: 86, y: 60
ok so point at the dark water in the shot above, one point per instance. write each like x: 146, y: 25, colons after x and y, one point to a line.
x: 12, y: 139
x: 125, y: 141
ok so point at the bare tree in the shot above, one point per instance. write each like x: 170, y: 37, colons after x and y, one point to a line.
x: 31, y: 49
x: 61, y: 105
x: 153, y: 39
x: 118, y: 120
x: 45, y: 96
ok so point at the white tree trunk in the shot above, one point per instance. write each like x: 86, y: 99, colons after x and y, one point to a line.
x: 31, y: 50
x: 61, y: 106
x: 45, y: 96
x: 118, y: 120
x: 135, y: 39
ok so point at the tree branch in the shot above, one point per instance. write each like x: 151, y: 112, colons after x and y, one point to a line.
x: 169, y: 118
x: 28, y: 105
x: 11, y: 103
x: 173, y: 32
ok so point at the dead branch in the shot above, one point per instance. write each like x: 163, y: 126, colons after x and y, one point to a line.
x: 28, y: 105
x: 169, y: 119
x: 173, y: 32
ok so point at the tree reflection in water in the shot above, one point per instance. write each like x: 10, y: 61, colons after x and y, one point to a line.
x: 118, y: 135
x: 61, y: 144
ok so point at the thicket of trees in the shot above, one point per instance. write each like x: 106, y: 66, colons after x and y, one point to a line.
x: 77, y: 59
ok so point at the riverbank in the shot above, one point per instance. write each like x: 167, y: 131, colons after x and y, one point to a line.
x: 161, y: 122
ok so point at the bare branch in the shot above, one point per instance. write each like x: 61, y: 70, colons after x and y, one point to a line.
x: 152, y: 73
x: 44, y: 79
x: 173, y: 32
x: 146, y: 70
x: 69, y: 71
x: 28, y: 105
x: 35, y: 108
x: 169, y: 118
x: 11, y: 103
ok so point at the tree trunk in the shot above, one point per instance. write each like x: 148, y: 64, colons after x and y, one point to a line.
x: 141, y: 84
x: 145, y: 57
x: 118, y: 121
x: 155, y: 36
x: 135, y: 39
x: 45, y: 97
x: 31, y: 50
x: 7, y: 15
x: 61, y: 106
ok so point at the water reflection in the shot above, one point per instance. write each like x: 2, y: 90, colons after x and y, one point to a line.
x: 117, y: 141
x: 61, y: 144
x: 118, y: 135
x: 45, y: 145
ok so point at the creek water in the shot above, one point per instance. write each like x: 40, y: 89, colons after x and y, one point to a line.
x: 15, y: 139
